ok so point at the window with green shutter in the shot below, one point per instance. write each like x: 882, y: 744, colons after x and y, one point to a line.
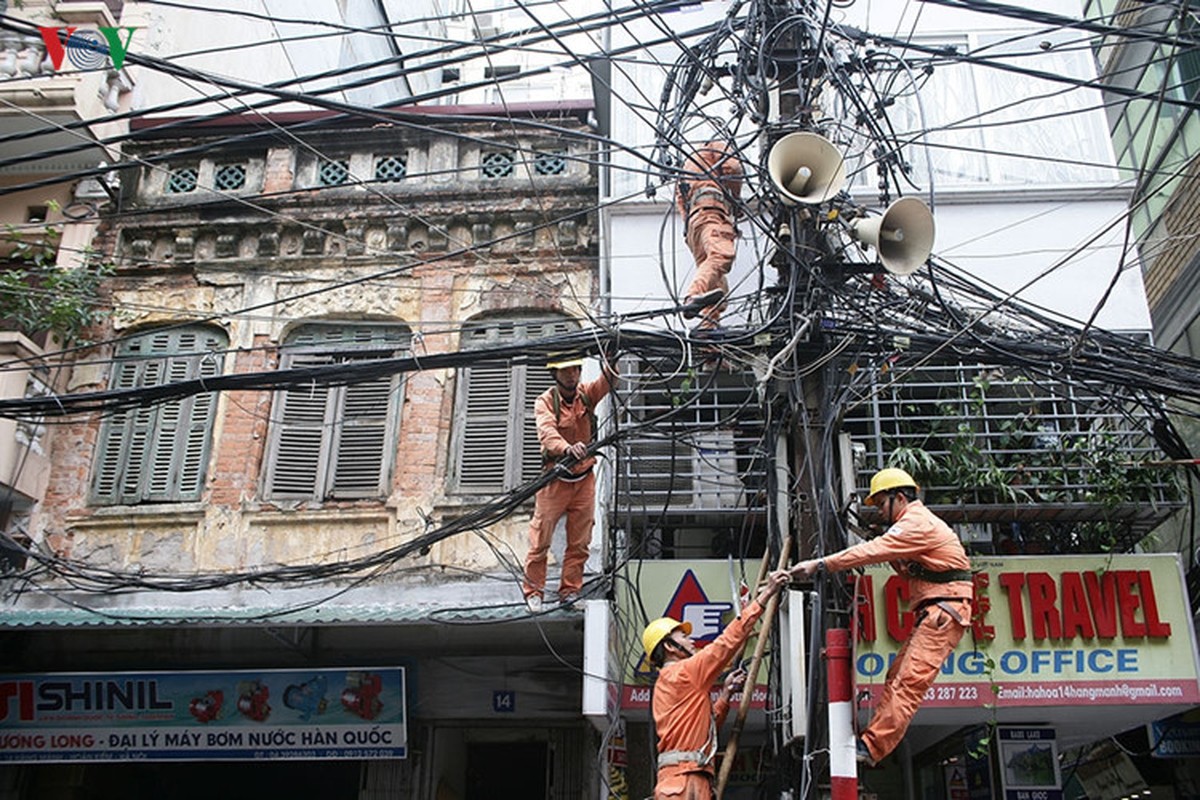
x: 336, y: 442
x: 495, y: 446
x: 158, y: 454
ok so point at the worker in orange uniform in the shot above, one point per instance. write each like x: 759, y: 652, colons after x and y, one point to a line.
x: 566, y: 425
x: 922, y: 548
x: 684, y: 713
x: 705, y: 199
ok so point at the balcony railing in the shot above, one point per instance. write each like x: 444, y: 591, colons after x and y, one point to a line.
x: 697, y: 451
x: 1019, y: 463
x: 1072, y: 466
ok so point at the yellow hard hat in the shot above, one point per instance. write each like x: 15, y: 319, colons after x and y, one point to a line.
x: 887, y: 479
x: 560, y: 362
x: 660, y: 629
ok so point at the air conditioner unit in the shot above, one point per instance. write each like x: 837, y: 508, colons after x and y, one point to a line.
x: 716, y: 482
x: 654, y: 475
x: 794, y: 669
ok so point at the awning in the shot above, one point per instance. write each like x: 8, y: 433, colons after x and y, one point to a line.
x: 461, y: 602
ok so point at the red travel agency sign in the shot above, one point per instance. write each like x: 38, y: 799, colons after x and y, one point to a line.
x: 1048, y: 631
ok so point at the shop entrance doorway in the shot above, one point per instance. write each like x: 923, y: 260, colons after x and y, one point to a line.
x: 227, y: 780
x: 507, y: 769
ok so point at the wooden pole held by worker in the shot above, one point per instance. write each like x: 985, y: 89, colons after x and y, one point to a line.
x: 759, y: 647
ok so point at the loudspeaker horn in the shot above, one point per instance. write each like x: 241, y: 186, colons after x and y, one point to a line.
x: 806, y: 168
x: 903, y: 235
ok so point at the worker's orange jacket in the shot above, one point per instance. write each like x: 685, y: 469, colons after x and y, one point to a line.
x: 712, y: 167
x: 573, y: 422
x: 917, y: 536
x: 684, y: 713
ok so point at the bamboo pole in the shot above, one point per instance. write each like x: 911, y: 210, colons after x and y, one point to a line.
x: 761, y: 645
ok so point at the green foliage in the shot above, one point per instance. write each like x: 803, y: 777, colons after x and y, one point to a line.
x: 37, y: 295
x: 1004, y: 443
x: 915, y: 461
x: 981, y: 747
x: 686, y: 386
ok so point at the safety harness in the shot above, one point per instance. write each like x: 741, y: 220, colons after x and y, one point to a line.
x: 702, y: 758
x: 714, y: 195
x: 924, y: 573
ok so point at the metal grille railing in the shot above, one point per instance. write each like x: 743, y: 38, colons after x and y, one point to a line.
x: 704, y: 455
x: 992, y: 444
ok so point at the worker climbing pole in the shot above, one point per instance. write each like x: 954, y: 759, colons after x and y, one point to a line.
x: 773, y: 164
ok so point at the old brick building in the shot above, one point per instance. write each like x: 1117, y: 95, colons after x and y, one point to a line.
x: 251, y: 246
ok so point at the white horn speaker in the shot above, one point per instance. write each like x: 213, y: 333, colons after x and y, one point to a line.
x: 806, y: 168
x: 903, y: 235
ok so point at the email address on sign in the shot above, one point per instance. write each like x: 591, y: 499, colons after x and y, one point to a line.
x: 1070, y: 691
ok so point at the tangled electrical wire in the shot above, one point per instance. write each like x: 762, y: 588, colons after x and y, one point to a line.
x: 818, y: 309
x: 752, y: 79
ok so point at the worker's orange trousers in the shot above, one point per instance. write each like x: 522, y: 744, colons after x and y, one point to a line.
x: 710, y: 237
x: 577, y: 500
x: 912, y: 673
x: 675, y: 784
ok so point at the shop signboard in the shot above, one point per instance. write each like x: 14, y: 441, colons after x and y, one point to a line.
x: 204, y: 715
x: 695, y: 591
x: 1048, y: 631
x: 1106, y: 771
x: 1176, y: 737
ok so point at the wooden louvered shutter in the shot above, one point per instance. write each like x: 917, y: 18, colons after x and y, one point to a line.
x: 497, y: 445
x: 362, y: 437
x: 484, y: 442
x: 535, y: 382
x: 197, y: 434
x: 300, y: 427
x: 168, y: 439
x: 139, y: 435
x: 112, y: 451
x: 158, y: 453
x: 336, y: 441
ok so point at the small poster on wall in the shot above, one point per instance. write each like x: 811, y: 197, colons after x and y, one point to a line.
x: 1029, y: 764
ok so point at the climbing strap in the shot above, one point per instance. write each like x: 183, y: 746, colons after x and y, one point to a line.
x: 923, y: 573
x: 944, y: 604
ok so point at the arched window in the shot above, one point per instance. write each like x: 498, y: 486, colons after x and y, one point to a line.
x: 158, y: 454
x: 336, y: 441
x: 495, y: 444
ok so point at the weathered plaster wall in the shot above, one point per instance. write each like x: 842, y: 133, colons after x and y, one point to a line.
x: 347, y: 254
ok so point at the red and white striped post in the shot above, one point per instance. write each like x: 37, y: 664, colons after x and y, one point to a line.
x: 843, y: 769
